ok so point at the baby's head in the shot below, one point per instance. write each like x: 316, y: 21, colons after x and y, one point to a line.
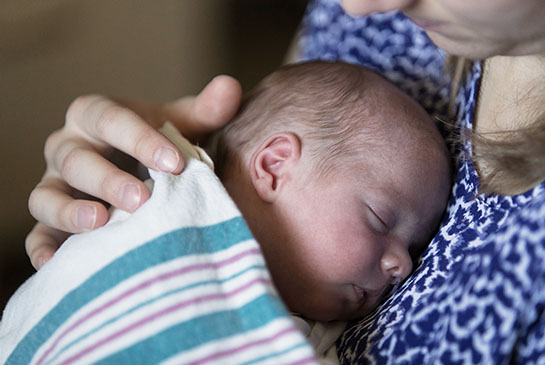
x: 343, y: 180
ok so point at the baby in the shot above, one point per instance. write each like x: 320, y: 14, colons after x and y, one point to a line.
x: 342, y: 179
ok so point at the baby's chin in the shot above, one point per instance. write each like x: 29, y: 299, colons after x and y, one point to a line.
x: 357, y: 314
x: 343, y: 309
x: 333, y: 317
x: 320, y: 314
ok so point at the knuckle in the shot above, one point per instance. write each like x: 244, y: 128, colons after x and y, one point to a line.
x: 30, y: 244
x: 109, y: 184
x: 142, y: 141
x: 51, y: 144
x: 109, y: 117
x: 82, y: 104
x: 77, y: 108
x: 33, y: 201
x: 70, y: 162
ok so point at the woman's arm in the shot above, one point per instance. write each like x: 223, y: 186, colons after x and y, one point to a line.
x: 78, y: 156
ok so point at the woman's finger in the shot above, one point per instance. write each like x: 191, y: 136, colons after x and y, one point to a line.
x: 87, y: 171
x: 50, y: 204
x: 42, y: 242
x: 111, y: 126
x: 214, y: 107
x: 96, y: 126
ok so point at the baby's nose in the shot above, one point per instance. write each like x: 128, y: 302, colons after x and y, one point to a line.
x: 396, y: 261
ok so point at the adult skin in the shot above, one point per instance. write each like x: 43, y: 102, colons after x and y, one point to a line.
x: 510, y: 34
x: 97, y: 128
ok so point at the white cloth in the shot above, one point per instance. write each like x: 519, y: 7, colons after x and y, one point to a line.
x: 179, y: 280
x: 322, y: 337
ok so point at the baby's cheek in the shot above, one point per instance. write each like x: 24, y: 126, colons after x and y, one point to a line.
x: 323, y: 307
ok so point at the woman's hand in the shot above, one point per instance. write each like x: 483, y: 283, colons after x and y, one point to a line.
x: 78, y: 169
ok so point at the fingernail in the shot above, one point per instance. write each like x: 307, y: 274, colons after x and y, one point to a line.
x: 130, y: 197
x: 86, y: 217
x: 41, y: 262
x: 166, y: 159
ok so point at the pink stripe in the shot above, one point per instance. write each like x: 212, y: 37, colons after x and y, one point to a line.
x: 308, y: 360
x: 226, y: 353
x: 162, y: 313
x: 143, y: 285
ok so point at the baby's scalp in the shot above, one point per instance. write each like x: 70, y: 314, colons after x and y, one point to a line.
x: 340, y: 111
x: 362, y: 143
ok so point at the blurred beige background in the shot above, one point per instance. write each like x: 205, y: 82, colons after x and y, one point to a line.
x: 52, y: 51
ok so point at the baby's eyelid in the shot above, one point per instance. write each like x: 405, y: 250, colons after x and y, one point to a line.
x: 383, y: 226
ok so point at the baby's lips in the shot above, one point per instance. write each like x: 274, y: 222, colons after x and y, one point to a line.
x: 359, y: 294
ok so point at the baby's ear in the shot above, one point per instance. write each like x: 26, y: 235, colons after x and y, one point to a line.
x: 273, y: 163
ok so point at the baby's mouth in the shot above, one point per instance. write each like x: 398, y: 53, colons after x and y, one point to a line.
x: 360, y: 294
x: 366, y: 297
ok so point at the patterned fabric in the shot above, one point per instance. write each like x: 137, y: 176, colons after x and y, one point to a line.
x: 180, y: 281
x: 478, y: 293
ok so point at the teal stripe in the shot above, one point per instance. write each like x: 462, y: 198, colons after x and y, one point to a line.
x: 272, y: 355
x: 199, y: 331
x: 170, y: 246
x: 148, y: 302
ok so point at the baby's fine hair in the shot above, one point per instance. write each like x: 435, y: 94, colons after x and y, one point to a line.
x: 334, y: 107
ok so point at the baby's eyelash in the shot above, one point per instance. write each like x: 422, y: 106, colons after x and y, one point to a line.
x: 377, y: 223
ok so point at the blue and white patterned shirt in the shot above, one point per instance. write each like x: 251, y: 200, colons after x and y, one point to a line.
x: 478, y: 294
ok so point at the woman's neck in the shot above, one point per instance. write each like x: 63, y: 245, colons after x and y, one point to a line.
x: 511, y: 97
x: 512, y: 91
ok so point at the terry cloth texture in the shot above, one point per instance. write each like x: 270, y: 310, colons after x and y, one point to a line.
x: 181, y: 280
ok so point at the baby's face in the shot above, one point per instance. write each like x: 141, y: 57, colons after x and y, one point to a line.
x: 349, y: 236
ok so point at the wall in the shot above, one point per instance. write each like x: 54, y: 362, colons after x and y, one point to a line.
x: 52, y: 51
